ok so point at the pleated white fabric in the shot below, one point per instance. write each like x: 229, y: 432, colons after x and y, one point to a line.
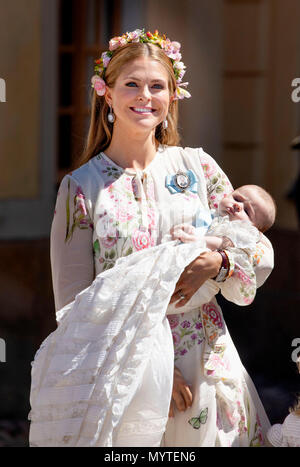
x: 104, y: 376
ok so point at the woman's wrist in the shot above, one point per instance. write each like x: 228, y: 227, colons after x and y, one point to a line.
x: 224, y: 267
x: 211, y: 262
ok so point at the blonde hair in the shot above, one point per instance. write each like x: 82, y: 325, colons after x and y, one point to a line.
x: 100, y: 130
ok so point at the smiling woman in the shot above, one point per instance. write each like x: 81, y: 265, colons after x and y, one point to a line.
x: 105, y: 376
x: 153, y: 65
x: 140, y: 99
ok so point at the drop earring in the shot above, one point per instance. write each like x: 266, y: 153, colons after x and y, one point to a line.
x: 110, y: 116
x: 165, y: 124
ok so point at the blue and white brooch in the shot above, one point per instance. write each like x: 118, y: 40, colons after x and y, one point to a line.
x: 182, y: 182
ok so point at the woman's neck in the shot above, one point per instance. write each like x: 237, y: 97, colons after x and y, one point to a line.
x: 132, y: 153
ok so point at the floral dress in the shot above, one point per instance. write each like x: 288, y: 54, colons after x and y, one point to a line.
x: 104, y: 213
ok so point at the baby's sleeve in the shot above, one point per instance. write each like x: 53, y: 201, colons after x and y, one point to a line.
x: 247, y: 272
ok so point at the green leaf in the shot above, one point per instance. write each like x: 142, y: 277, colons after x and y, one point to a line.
x: 129, y: 251
x: 112, y: 254
x: 96, y: 247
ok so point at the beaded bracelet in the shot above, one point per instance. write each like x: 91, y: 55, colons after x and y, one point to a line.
x: 224, y: 269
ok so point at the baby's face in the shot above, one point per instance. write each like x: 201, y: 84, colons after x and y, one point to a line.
x: 243, y: 204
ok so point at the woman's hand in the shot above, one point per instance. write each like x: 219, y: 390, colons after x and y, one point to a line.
x: 182, y: 396
x: 205, y: 266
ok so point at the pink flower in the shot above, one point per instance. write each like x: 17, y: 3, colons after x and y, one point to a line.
x: 99, y: 85
x: 128, y: 184
x: 173, y: 321
x: 213, y: 314
x: 141, y: 239
x: 176, y: 338
x: 110, y: 240
x: 80, y: 204
x: 207, y: 166
x: 172, y: 49
x: 152, y: 218
x: 122, y: 214
x: 116, y: 42
x: 242, y: 276
x: 247, y: 300
x: 176, y: 46
x: 134, y: 36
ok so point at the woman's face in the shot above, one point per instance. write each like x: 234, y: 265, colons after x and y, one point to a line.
x: 140, y: 98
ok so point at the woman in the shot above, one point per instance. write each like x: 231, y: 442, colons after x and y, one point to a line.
x: 121, y: 201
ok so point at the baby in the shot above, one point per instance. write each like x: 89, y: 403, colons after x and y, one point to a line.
x: 237, y: 223
x: 249, y: 203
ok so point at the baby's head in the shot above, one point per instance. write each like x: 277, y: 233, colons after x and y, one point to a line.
x: 250, y: 203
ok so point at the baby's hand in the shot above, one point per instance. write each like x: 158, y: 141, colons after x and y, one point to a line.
x: 183, y: 232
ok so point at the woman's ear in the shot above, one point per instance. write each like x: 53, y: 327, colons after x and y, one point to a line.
x: 108, y: 96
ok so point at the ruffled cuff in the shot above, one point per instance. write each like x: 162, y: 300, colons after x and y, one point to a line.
x: 231, y: 263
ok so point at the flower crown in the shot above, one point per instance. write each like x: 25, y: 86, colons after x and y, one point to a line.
x: 170, y: 48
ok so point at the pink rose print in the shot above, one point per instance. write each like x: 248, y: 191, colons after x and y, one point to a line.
x: 173, y: 321
x: 128, y: 184
x: 122, y: 214
x: 176, y: 338
x: 141, y: 239
x: 80, y: 200
x: 213, y: 314
x: 207, y: 166
x: 110, y: 239
x: 242, y: 276
x: 151, y: 217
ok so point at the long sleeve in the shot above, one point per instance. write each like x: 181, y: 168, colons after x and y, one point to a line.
x: 71, y: 243
x: 246, y: 272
